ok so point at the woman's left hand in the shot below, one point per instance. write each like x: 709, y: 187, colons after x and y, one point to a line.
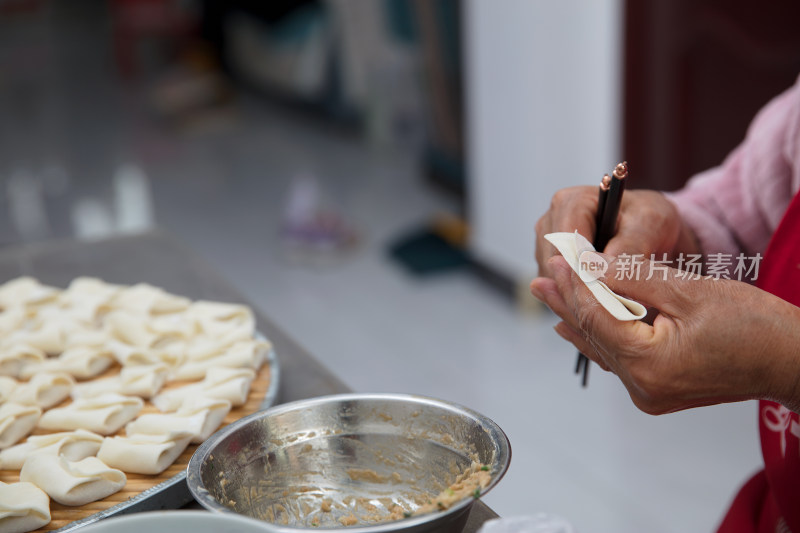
x: 712, y: 341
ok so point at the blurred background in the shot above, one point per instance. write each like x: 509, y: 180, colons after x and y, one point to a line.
x: 369, y: 173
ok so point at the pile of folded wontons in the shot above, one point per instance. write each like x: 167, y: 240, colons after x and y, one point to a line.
x: 105, y: 380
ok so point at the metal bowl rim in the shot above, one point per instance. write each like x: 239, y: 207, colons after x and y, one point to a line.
x: 204, y: 498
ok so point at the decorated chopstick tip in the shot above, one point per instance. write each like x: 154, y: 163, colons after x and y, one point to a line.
x: 621, y: 170
x: 605, y: 183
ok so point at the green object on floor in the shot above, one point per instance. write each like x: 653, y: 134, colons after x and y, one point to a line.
x: 423, y: 253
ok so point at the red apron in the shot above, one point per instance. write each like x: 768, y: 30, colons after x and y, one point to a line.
x: 770, y: 501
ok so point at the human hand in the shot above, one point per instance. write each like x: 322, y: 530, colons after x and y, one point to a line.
x: 648, y: 224
x: 712, y: 341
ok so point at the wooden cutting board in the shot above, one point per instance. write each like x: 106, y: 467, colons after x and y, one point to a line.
x: 62, y: 515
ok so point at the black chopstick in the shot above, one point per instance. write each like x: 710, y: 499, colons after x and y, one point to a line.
x: 608, y: 203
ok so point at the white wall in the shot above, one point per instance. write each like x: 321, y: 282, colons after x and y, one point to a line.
x: 543, y: 81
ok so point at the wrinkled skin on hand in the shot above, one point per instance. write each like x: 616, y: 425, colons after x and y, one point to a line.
x: 712, y: 341
x: 648, y: 224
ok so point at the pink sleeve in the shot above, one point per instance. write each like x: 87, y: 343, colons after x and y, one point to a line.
x: 737, y: 206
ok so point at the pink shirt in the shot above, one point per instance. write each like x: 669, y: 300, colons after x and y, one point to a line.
x: 736, y: 206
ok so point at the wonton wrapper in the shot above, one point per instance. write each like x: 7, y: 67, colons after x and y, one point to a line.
x: 104, y: 414
x: 16, y: 358
x: 200, y: 417
x: 16, y: 422
x: 130, y: 328
x: 85, y: 336
x: 143, y: 381
x: 25, y: 291
x: 243, y: 354
x: 143, y: 298
x: 46, y: 333
x: 45, y: 389
x: 87, y: 297
x: 143, y: 454
x: 74, y: 445
x: 23, y: 507
x: 232, y: 384
x: 11, y: 320
x: 572, y: 246
x: 82, y: 362
x: 218, y: 319
x: 178, y: 325
x: 7, y: 387
x: 72, y: 482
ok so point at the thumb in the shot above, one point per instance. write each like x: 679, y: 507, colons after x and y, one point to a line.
x: 651, y: 283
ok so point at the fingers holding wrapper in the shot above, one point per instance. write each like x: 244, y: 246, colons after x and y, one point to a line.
x: 590, y: 266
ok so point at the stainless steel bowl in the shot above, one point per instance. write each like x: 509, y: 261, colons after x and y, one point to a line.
x: 283, y: 465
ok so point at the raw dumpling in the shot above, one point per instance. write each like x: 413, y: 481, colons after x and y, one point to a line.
x: 16, y: 421
x: 130, y: 328
x: 170, y: 351
x: 218, y: 319
x: 82, y: 362
x: 176, y: 324
x: 143, y: 380
x: 104, y: 414
x: 127, y: 354
x: 25, y: 291
x: 85, y: 336
x: 45, y: 389
x: 232, y: 384
x: 23, y: 507
x: 143, y: 298
x: 138, y: 380
x: 16, y: 358
x: 143, y: 454
x: 11, y: 320
x: 47, y: 333
x: 72, y: 482
x: 87, y: 297
x: 7, y: 387
x: 243, y: 354
x: 74, y: 445
x: 199, y: 416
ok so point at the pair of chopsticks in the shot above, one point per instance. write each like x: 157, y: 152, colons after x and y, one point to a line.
x: 608, y: 203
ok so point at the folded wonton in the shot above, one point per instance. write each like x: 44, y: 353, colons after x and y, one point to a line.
x: 7, y: 387
x: 143, y: 454
x: 16, y: 422
x: 577, y: 250
x: 72, y: 482
x: 104, y: 414
x: 11, y: 320
x: 46, y: 333
x: 219, y: 319
x: 45, y: 389
x: 82, y: 362
x: 87, y: 297
x: 198, y: 416
x: 23, y: 507
x: 25, y: 291
x: 74, y: 445
x: 143, y: 298
x: 143, y: 381
x: 242, y: 354
x: 232, y: 384
x: 14, y: 359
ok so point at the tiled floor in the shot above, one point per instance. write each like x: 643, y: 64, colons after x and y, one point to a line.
x: 587, y: 455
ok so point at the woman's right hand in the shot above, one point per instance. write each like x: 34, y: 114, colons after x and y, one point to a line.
x: 648, y: 224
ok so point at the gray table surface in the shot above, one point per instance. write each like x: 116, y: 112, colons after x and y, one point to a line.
x: 157, y: 258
